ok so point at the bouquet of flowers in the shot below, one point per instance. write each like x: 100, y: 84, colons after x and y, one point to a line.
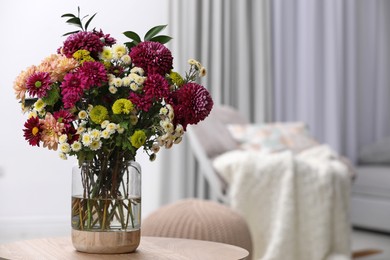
x: 102, y: 101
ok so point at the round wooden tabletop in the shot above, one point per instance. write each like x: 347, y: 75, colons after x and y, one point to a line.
x: 150, y: 248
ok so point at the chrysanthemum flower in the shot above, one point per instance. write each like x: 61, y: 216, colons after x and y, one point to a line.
x: 106, y: 134
x: 156, y: 87
x: 111, y: 127
x: 51, y: 131
x: 95, y: 134
x: 63, y: 138
x: 153, y: 57
x: 86, y: 139
x: 93, y: 73
x: 119, y: 50
x: 72, y: 89
x: 104, y: 124
x: 82, y: 41
x: 137, y: 70
x: 95, y: 145
x: 138, y: 138
x: 82, y: 114
x: 20, y: 86
x: 63, y: 116
x: 38, y: 84
x: 32, y: 131
x: 126, y: 59
x: 106, y: 54
x: 105, y: 38
x: 192, y: 103
x: 122, y: 106
x: 39, y: 105
x: 98, y: 114
x: 76, y: 146
x: 64, y: 147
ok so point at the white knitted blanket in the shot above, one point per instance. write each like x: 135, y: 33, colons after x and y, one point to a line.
x: 296, y: 205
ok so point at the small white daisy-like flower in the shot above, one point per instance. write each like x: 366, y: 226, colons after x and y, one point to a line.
x: 112, y: 89
x: 126, y: 81
x: 62, y: 156
x: 163, y: 111
x: 168, y: 144
x: 167, y: 126
x: 80, y: 129
x: 83, y: 114
x: 95, y: 134
x: 111, y: 127
x: 119, y: 50
x: 133, y: 120
x: 155, y: 148
x: 120, y: 129
x: 104, y: 124
x: 137, y: 70
x: 126, y: 59
x: 160, y: 141
x: 202, y: 72
x: 111, y: 76
x: 132, y: 76
x: 133, y: 86
x: 192, y: 61
x: 32, y: 114
x: 63, y: 138
x: 65, y: 147
x: 179, y: 131
x: 105, y: 134
x: 95, y: 145
x: 86, y: 139
x: 106, y: 53
x: 140, y: 80
x: 76, y: 146
x: 118, y: 82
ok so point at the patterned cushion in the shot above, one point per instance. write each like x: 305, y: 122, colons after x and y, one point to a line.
x: 272, y: 137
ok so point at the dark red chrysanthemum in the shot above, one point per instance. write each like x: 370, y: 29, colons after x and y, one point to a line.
x: 32, y: 131
x: 153, y: 57
x: 93, y: 74
x: 107, y: 40
x: 140, y: 101
x: 72, y: 89
x: 63, y: 116
x: 192, y: 103
x: 72, y: 135
x: 38, y: 84
x: 156, y: 87
x: 83, y: 41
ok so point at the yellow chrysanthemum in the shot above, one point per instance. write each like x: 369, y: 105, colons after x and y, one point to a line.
x: 98, y: 114
x: 122, y: 106
x: 138, y: 138
x: 39, y: 105
x: 106, y: 54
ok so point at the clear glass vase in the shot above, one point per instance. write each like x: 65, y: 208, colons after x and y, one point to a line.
x: 106, y: 206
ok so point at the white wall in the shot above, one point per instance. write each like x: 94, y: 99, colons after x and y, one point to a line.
x: 34, y: 183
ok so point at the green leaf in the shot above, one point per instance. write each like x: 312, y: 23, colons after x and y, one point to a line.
x: 161, y: 39
x: 71, y: 33
x: 132, y: 35
x: 130, y: 45
x: 68, y: 15
x: 153, y: 32
x: 89, y: 20
x: 75, y: 21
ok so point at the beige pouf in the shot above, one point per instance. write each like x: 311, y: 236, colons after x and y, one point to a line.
x: 199, y: 219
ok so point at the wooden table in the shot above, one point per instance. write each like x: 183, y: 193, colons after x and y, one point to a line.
x: 150, y: 248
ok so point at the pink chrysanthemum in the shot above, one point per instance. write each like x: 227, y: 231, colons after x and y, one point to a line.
x: 153, y: 57
x: 57, y: 65
x: 20, y: 87
x: 32, y: 131
x: 51, y: 131
x: 38, y: 84
x: 107, y: 40
x: 192, y: 103
x: 82, y: 41
x: 72, y: 89
x: 93, y: 73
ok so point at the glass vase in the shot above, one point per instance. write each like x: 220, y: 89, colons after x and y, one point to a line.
x: 106, y: 206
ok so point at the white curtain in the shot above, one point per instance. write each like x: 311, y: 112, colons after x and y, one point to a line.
x: 232, y: 40
x: 330, y: 69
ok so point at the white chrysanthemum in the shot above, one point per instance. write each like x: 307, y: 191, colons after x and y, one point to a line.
x: 120, y: 129
x: 202, y: 72
x: 137, y: 70
x: 62, y: 156
x: 126, y: 81
x: 111, y: 76
x: 106, y: 53
x: 140, y: 80
x: 133, y: 76
x: 155, y: 148
x: 39, y: 105
x: 63, y: 138
x: 168, y: 143
x: 111, y: 81
x: 89, y: 108
x: 163, y: 111
x: 95, y: 134
x: 65, y: 147
x: 192, y: 61
x: 83, y: 114
x: 106, y: 134
x: 32, y: 114
x: 112, y: 89
x: 95, y: 145
x: 76, y: 146
x: 80, y: 129
x: 119, y: 50
x: 86, y: 139
x: 118, y: 82
x: 133, y: 119
x: 167, y: 126
x: 179, y: 131
x: 104, y: 124
x: 134, y: 87
x: 111, y: 127
x: 126, y: 59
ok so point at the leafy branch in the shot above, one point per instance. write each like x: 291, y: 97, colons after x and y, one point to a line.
x: 78, y: 21
x: 151, y: 35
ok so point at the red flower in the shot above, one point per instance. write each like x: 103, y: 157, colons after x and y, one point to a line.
x: 82, y: 41
x: 32, y: 131
x: 63, y: 116
x: 38, y: 84
x: 153, y: 57
x: 107, y: 40
x: 93, y: 74
x: 192, y: 103
x: 72, y: 89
